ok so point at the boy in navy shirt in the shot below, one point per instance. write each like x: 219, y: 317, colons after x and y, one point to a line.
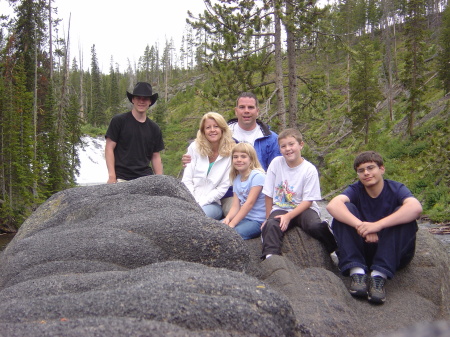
x: 374, y: 226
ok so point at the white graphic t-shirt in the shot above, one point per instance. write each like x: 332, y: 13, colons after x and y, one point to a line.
x: 288, y: 186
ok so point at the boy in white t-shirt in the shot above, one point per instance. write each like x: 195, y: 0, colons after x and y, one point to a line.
x: 292, y: 189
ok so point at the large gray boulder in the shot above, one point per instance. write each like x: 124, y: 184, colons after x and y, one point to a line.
x: 140, y: 258
x: 169, y: 298
x: 322, y: 304
x: 119, y: 227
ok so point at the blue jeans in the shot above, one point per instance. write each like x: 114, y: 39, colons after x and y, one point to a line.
x: 248, y: 229
x: 394, y: 250
x: 213, y: 210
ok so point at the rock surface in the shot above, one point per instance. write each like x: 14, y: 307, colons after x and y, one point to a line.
x: 140, y: 258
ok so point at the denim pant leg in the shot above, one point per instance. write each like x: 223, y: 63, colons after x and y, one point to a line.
x: 213, y: 210
x: 248, y: 229
x: 312, y: 225
x: 352, y: 249
x: 272, y: 235
x: 396, y: 248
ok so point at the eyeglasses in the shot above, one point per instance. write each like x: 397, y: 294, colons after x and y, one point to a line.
x: 369, y: 169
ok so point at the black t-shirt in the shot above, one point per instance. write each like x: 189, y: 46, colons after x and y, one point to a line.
x: 136, y: 143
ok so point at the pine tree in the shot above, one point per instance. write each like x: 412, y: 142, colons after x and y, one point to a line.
x: 52, y: 152
x: 30, y: 30
x: 73, y: 138
x: 413, y: 75
x: 159, y: 113
x: 18, y: 144
x: 145, y: 63
x: 444, y: 54
x: 97, y: 115
x: 231, y: 28
x: 364, y: 90
x: 114, y: 102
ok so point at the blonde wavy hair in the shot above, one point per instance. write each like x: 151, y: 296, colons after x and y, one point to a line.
x: 226, y: 141
x: 248, y: 149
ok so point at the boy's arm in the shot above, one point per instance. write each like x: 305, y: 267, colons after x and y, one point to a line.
x: 269, y: 204
x: 157, y: 163
x: 110, y: 160
x: 408, y: 211
x: 287, y: 217
x: 337, y: 209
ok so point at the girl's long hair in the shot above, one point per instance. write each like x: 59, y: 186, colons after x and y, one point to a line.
x: 226, y: 141
x: 250, y: 151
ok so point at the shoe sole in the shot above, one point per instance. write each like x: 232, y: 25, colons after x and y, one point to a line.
x: 358, y: 293
x: 376, y: 300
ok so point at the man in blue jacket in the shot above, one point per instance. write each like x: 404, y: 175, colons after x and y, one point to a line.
x: 246, y: 127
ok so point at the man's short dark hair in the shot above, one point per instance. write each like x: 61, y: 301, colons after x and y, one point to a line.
x: 366, y: 157
x: 249, y: 95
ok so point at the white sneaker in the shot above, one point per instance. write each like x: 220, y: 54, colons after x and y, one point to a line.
x: 334, y: 258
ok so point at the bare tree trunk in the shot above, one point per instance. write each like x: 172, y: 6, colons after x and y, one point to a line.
x: 2, y: 166
x: 395, y: 46
x: 327, y: 75
x: 348, y: 63
x: 388, y: 58
x: 81, y: 87
x: 166, y: 77
x: 292, y: 72
x: 35, y: 194
x: 366, y: 136
x: 293, y: 87
x: 50, y: 37
x: 279, y: 68
x: 348, y: 83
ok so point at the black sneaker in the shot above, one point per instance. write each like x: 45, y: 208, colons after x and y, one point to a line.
x: 376, y: 293
x: 358, y: 287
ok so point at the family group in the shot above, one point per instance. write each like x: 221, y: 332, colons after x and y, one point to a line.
x: 255, y: 181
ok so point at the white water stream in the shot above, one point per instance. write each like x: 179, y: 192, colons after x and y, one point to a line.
x: 92, y: 170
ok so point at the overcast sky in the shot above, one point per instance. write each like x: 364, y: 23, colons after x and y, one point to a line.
x: 121, y: 29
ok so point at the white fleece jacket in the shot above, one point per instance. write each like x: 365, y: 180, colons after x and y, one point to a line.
x: 206, y: 188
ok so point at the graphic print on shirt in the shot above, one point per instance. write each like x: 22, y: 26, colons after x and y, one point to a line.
x: 244, y: 192
x: 284, y: 195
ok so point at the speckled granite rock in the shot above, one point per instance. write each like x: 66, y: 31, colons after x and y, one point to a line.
x: 140, y: 258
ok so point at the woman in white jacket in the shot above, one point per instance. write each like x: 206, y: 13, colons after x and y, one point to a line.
x: 207, y: 175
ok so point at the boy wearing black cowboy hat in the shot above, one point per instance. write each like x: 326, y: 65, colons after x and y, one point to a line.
x: 133, y: 141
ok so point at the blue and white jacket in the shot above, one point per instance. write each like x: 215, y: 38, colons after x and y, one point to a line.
x: 267, y: 146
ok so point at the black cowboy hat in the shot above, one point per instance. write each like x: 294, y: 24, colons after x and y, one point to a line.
x: 143, y: 89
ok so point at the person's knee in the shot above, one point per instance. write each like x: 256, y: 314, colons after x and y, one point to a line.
x: 271, y: 225
x: 248, y: 233
x: 353, y: 209
x: 316, y: 227
x: 213, y: 211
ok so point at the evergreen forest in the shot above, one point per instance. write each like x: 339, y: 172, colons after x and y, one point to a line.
x: 352, y: 75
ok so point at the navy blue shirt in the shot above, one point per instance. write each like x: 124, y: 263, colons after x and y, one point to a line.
x: 374, y: 209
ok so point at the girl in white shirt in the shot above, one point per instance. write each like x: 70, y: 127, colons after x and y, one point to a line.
x: 206, y: 176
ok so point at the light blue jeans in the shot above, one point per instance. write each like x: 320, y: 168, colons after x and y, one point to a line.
x: 248, y: 229
x: 213, y: 210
